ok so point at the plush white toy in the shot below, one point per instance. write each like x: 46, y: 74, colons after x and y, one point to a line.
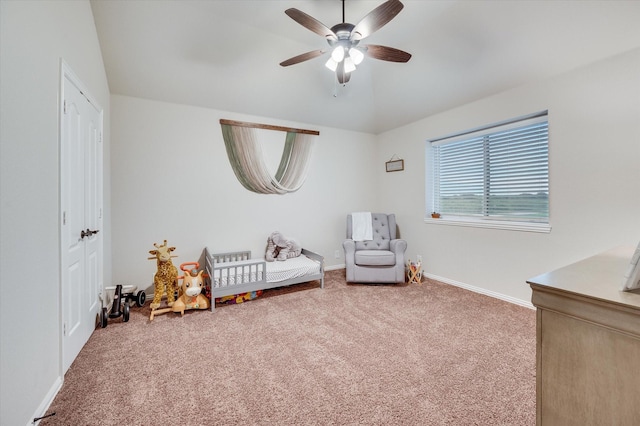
x: 281, y: 248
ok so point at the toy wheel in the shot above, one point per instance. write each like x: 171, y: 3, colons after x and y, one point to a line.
x: 103, y: 318
x: 126, y: 312
x: 141, y: 296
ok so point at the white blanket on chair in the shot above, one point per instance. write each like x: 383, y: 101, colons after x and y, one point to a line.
x: 361, y: 225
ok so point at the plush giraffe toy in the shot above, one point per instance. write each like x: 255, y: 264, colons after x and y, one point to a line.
x: 166, y: 278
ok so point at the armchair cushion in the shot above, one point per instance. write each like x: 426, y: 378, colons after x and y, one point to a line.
x: 375, y: 258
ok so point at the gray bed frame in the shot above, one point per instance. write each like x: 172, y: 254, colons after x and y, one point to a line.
x: 244, y: 281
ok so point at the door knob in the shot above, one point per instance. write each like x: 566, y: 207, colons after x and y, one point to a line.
x: 88, y: 233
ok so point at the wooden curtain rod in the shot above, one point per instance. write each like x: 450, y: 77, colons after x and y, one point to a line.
x: 268, y: 127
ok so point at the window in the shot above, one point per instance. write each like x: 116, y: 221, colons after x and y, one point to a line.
x: 498, y: 174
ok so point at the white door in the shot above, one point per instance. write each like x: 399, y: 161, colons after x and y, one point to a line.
x: 81, y: 214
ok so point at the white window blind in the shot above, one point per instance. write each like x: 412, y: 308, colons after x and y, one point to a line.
x: 499, y: 173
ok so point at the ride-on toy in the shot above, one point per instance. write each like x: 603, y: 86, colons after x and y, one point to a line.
x: 190, y: 292
x: 121, y: 304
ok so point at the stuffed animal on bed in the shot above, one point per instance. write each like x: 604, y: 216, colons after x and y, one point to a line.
x: 281, y: 248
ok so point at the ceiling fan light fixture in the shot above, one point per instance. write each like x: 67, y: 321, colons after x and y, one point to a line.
x: 356, y: 55
x: 331, y: 64
x: 349, y: 66
x: 338, y: 54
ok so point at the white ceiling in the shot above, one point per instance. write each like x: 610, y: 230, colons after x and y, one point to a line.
x: 225, y: 54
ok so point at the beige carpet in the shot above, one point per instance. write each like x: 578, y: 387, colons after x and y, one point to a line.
x: 429, y: 354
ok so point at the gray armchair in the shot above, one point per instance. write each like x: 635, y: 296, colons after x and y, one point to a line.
x: 380, y: 260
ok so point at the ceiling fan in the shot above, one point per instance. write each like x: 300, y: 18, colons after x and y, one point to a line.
x: 344, y: 40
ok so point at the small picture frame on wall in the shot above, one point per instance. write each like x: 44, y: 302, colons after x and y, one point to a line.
x: 394, y: 165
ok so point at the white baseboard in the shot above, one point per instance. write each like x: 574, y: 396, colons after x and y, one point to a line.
x: 46, y: 402
x: 335, y: 267
x: 480, y: 290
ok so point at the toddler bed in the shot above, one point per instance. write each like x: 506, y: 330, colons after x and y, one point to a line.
x: 236, y: 273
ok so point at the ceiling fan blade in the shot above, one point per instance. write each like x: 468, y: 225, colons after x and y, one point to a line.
x: 311, y: 23
x: 385, y: 53
x: 303, y: 57
x: 376, y: 19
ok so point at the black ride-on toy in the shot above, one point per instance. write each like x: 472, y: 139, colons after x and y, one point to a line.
x: 121, y: 305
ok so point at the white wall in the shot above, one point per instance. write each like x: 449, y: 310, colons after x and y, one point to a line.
x: 34, y: 36
x: 171, y: 179
x: 594, y: 137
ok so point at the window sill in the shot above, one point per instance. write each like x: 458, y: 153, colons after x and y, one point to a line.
x: 492, y: 224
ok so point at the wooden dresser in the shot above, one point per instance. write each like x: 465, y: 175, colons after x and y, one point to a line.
x: 588, y: 344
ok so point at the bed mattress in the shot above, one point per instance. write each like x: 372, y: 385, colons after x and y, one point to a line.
x: 291, y: 268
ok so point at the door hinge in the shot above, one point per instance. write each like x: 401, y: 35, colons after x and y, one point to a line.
x: 64, y: 218
x: 64, y: 329
x: 64, y: 106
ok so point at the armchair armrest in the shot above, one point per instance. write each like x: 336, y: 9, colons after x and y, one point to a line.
x: 349, y: 247
x: 398, y: 246
x: 349, y: 258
